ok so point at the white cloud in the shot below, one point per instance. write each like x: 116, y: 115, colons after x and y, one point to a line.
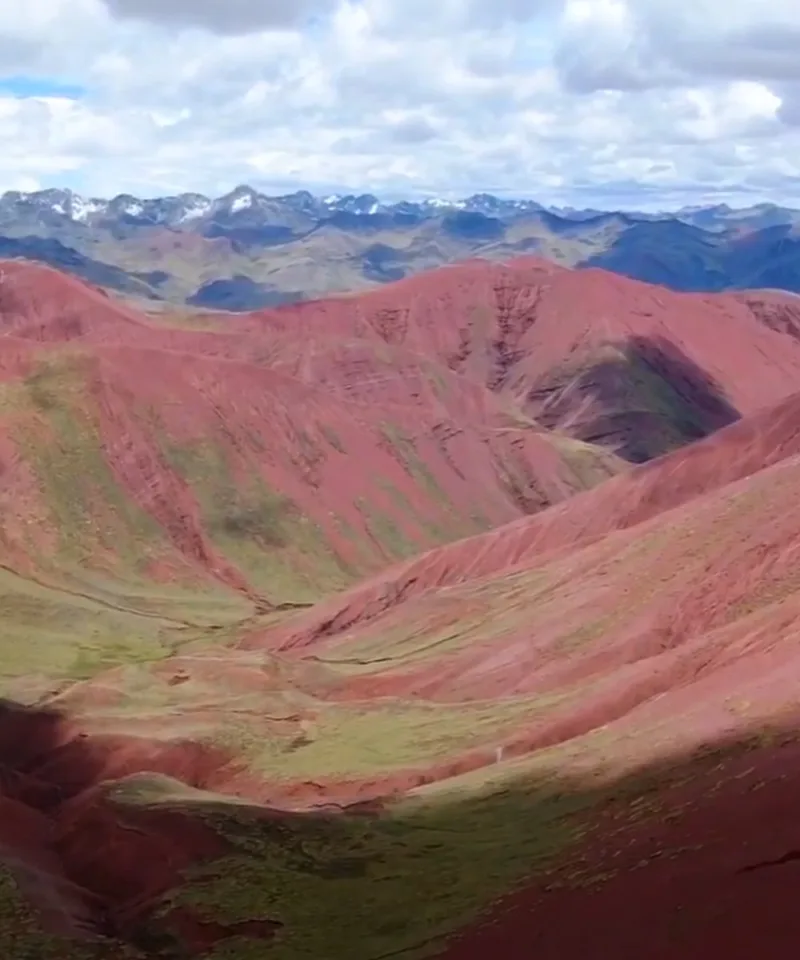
x: 635, y: 43
x: 637, y: 102
x: 221, y: 16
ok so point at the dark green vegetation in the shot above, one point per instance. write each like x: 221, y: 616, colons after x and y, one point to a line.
x: 648, y: 399
x: 362, y: 886
x: 21, y: 936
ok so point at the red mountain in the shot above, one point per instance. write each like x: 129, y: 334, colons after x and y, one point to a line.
x: 597, y: 356
x: 526, y: 665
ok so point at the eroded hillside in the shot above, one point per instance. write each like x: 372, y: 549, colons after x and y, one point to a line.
x: 322, y: 635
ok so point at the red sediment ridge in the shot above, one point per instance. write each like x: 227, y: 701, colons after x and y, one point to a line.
x: 440, y: 454
x: 618, y: 504
x: 39, y: 303
x: 567, y: 346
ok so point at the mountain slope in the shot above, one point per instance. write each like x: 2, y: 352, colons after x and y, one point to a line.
x: 583, y: 661
x: 730, y: 456
x: 191, y: 766
x: 637, y: 368
x: 164, y: 453
x: 667, y: 252
x: 573, y: 606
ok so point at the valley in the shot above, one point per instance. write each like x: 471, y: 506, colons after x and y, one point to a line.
x: 398, y: 624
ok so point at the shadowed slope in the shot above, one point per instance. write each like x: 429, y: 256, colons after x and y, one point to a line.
x: 93, y: 871
x: 361, y: 886
x: 643, y: 398
x: 696, y: 859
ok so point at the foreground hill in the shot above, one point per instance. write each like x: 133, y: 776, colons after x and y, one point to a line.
x: 579, y: 687
x: 597, y: 717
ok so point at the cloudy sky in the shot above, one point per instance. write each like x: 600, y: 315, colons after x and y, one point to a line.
x: 647, y: 103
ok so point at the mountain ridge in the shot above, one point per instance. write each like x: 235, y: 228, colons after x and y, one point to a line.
x: 246, y: 250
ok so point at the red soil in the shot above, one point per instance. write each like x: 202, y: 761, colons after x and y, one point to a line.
x: 705, y: 621
x: 40, y: 304
x: 735, y: 453
x: 676, y: 628
x: 514, y: 327
x: 721, y: 623
x: 713, y: 876
x: 778, y: 311
x: 439, y: 454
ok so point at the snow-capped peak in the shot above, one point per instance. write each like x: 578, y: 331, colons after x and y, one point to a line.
x: 194, y: 209
x: 65, y: 203
x: 241, y: 198
x: 81, y: 208
x: 242, y: 202
x: 441, y: 202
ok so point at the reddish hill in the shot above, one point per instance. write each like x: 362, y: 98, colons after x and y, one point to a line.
x: 39, y: 303
x: 642, y: 633
x: 649, y: 490
x: 231, y: 464
x: 606, y: 359
x: 653, y: 616
x: 171, y: 493
x: 597, y: 356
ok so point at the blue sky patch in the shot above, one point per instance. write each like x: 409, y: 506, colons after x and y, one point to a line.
x: 22, y: 87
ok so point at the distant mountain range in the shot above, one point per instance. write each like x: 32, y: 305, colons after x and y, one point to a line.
x: 246, y: 250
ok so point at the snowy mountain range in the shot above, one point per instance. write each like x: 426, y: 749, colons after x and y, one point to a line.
x: 190, y: 207
x: 245, y: 249
x: 247, y: 205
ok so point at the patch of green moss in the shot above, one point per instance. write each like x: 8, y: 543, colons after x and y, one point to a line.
x: 388, y: 533
x: 405, y: 452
x: 21, y: 937
x: 438, y: 381
x: 588, y: 464
x: 360, y: 741
x: 50, y: 632
x: 91, y: 512
x: 332, y: 437
x: 282, y: 552
x: 357, y: 888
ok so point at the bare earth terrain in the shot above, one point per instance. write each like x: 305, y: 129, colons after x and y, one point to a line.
x: 454, y: 619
